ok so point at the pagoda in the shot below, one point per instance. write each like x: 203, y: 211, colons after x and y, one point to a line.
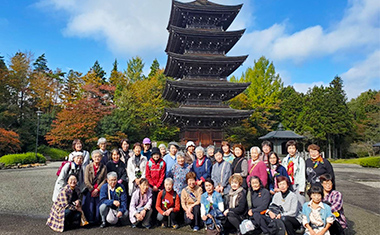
x: 197, y: 47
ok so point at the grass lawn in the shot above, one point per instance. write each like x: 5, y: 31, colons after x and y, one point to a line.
x: 358, y: 161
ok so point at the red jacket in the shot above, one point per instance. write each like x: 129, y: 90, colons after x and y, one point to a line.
x: 160, y: 205
x: 155, y: 173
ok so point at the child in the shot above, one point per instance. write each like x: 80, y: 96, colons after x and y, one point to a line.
x: 316, y: 215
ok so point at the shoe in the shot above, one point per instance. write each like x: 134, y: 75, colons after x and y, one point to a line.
x: 103, y: 225
x: 163, y: 225
x: 147, y: 227
x: 196, y: 228
x: 133, y: 226
x: 176, y: 226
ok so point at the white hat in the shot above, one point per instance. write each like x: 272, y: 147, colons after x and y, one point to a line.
x: 190, y: 143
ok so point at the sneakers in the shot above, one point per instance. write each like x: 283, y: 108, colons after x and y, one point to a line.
x: 103, y: 225
x: 196, y: 228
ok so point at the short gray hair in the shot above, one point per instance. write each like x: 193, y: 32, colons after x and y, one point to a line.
x: 210, y: 147
x: 96, y: 152
x: 162, y: 146
x: 200, y: 148
x: 180, y: 154
x: 111, y: 175
x: 258, y: 150
x: 102, y: 140
x: 169, y: 180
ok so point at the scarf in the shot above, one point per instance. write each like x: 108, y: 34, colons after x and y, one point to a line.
x: 233, y: 203
x: 201, y: 163
x: 317, y: 161
x: 285, y: 194
x: 290, y: 170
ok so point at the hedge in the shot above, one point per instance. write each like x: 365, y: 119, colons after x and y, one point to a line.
x: 370, y: 162
x: 54, y: 153
x: 23, y: 158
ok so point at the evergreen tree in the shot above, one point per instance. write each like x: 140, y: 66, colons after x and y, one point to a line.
x: 40, y: 65
x: 134, y: 70
x: 154, y: 68
x: 99, y: 72
x: 117, y: 78
x: 290, y: 108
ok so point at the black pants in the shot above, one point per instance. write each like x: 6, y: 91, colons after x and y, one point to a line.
x: 197, y: 217
x: 336, y: 229
x: 291, y: 224
x: 154, y: 210
x: 166, y: 221
x: 232, y: 221
x: 72, y: 219
x: 261, y: 221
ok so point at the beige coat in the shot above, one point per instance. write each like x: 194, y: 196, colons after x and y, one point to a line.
x: 89, y: 176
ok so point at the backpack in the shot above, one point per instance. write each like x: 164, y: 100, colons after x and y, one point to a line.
x: 150, y: 164
x: 164, y: 193
x: 60, y: 167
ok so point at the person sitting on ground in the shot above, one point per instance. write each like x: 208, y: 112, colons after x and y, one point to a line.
x: 102, y: 143
x: 66, y: 211
x: 210, y: 153
x: 74, y: 167
x: 168, y: 205
x: 163, y: 149
x: 235, y: 204
x: 258, y: 199
x: 316, y: 215
x: 220, y: 174
x: 201, y: 166
x: 227, y: 155
x: 140, y: 208
x: 146, y: 148
x: 291, y: 207
x: 190, y: 152
x: 240, y: 163
x: 190, y: 201
x: 256, y: 167
x: 118, y: 166
x: 178, y: 173
x: 136, y: 168
x: 266, y: 146
x: 334, y: 199
x: 212, y: 205
x: 171, y: 157
x: 113, y: 201
x: 95, y: 177
x: 78, y: 147
x: 275, y: 170
x: 125, y: 152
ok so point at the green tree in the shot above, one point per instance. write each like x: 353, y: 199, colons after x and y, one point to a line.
x: 291, y: 106
x: 117, y: 78
x: 154, y: 68
x: 134, y: 70
x: 99, y: 72
x: 72, y: 88
x: 40, y: 65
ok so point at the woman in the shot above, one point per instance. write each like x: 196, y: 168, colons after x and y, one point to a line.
x: 124, y: 151
x: 190, y: 153
x: 140, y: 209
x: 317, y: 166
x: 66, y: 211
x: 221, y: 172
x: 240, y: 163
x: 210, y: 153
x: 95, y: 178
x: 146, y: 148
x: 227, y: 155
x: 78, y: 147
x: 201, y: 166
x: 190, y: 201
x: 335, y: 200
x: 170, y: 158
x: 168, y: 205
x: 179, y: 172
x: 288, y: 200
x: 256, y: 167
x: 136, y: 168
x: 275, y: 170
x: 163, y: 149
x: 74, y: 167
x: 236, y: 204
x: 212, y: 205
x: 102, y: 143
x: 258, y: 199
x: 118, y: 166
x: 267, y: 148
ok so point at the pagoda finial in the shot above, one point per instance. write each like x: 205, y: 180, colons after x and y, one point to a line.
x: 280, y: 127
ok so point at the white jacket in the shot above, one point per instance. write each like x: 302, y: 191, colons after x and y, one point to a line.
x: 131, y: 171
x: 299, y: 171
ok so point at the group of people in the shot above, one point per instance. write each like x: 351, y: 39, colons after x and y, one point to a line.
x: 220, y: 189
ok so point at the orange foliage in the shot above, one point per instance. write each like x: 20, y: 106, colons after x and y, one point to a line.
x: 9, y: 142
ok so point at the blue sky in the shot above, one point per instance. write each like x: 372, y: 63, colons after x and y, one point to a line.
x: 309, y: 42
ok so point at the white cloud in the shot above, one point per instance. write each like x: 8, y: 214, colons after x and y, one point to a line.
x: 363, y: 76
x: 304, y: 87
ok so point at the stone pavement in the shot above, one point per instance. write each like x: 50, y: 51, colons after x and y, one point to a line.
x: 25, y: 201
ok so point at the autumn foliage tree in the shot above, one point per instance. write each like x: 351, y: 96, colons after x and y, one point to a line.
x: 9, y: 142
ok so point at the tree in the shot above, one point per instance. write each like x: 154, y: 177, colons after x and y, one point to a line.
x: 9, y: 142
x: 99, y: 72
x: 134, y: 70
x: 117, y: 78
x: 291, y: 106
x: 40, y: 65
x: 154, y: 68
x: 72, y: 87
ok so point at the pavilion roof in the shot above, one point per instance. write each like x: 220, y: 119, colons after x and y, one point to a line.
x: 281, y: 134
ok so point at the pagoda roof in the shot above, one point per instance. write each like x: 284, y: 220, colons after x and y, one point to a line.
x: 184, y: 13
x: 182, y: 39
x: 198, y: 65
x: 281, y: 134
x: 208, y: 117
x: 179, y: 91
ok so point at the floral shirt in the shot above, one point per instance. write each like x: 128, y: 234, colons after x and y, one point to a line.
x: 178, y: 173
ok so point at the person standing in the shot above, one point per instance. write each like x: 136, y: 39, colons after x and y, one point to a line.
x: 171, y: 157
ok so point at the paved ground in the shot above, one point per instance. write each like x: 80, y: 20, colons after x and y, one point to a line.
x: 25, y: 201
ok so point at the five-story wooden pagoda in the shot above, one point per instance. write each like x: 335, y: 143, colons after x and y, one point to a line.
x: 197, y: 47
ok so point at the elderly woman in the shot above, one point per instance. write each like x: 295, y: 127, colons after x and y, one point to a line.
x: 170, y: 158
x: 212, y: 205
x: 240, y: 163
x: 95, y: 178
x: 118, y: 166
x: 66, y: 211
x: 335, y: 200
x: 78, y: 147
x: 125, y: 152
x: 317, y: 166
x: 136, y: 168
x: 179, y: 172
x: 256, y: 167
x: 163, y: 149
x: 236, y: 204
x: 168, y: 205
x: 146, y: 148
x: 74, y: 167
x: 210, y: 153
x: 201, y: 166
x: 291, y: 207
x: 113, y: 201
x: 220, y: 174
x: 190, y: 201
x: 227, y: 155
x: 190, y: 152
x: 275, y: 170
x: 140, y: 209
x: 258, y: 199
x: 102, y: 143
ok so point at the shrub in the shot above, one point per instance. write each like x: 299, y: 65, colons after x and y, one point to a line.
x: 54, y: 153
x: 370, y: 162
x: 23, y: 158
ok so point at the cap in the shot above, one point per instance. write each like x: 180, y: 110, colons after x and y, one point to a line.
x: 146, y: 141
x: 190, y: 143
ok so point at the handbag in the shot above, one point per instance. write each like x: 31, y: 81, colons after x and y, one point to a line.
x: 111, y: 216
x: 246, y: 226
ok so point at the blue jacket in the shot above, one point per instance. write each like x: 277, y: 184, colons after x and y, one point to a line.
x: 216, y: 199
x: 170, y: 162
x: 282, y: 172
x: 204, y: 171
x: 325, y: 211
x: 122, y: 197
